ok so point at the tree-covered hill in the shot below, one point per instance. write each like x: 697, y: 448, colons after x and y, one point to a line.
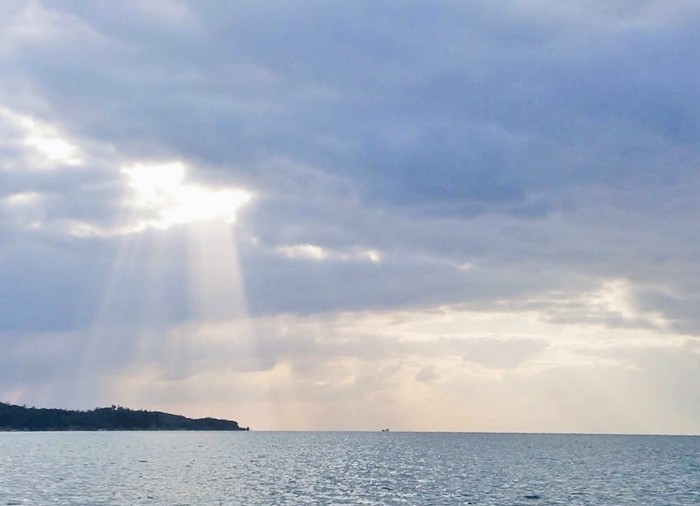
x: 14, y: 417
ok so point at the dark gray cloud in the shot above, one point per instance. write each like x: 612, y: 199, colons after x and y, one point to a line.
x: 476, y: 118
x: 498, y: 112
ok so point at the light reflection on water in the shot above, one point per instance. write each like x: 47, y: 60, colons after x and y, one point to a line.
x: 188, y: 468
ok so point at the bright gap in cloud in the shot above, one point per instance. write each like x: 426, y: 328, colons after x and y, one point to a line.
x: 167, y: 200
x: 318, y: 253
x: 55, y: 149
x: 46, y: 139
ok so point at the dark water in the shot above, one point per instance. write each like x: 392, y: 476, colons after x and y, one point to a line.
x: 179, y: 468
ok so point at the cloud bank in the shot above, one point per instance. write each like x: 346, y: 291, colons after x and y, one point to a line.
x: 442, y: 216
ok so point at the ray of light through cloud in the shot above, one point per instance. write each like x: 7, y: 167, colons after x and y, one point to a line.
x: 177, y: 261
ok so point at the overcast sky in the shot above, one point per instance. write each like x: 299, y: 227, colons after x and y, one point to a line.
x: 441, y: 215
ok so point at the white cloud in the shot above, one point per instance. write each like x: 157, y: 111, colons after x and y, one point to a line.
x: 48, y: 142
x: 314, y: 252
x: 292, y: 369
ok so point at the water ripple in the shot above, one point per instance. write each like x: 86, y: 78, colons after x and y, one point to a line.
x: 196, y: 468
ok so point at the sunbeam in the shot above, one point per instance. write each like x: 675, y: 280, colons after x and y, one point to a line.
x: 178, y: 248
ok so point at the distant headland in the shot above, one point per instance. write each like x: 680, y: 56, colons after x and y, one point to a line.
x: 21, y: 418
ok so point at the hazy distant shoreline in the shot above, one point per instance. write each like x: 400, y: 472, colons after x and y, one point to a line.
x: 116, y: 418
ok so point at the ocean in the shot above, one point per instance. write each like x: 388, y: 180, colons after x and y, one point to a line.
x: 353, y: 468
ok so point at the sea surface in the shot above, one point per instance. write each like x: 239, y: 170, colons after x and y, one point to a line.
x: 269, y: 468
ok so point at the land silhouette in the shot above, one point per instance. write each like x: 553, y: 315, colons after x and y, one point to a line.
x: 22, y: 418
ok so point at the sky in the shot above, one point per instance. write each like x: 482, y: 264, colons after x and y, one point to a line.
x: 308, y: 215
